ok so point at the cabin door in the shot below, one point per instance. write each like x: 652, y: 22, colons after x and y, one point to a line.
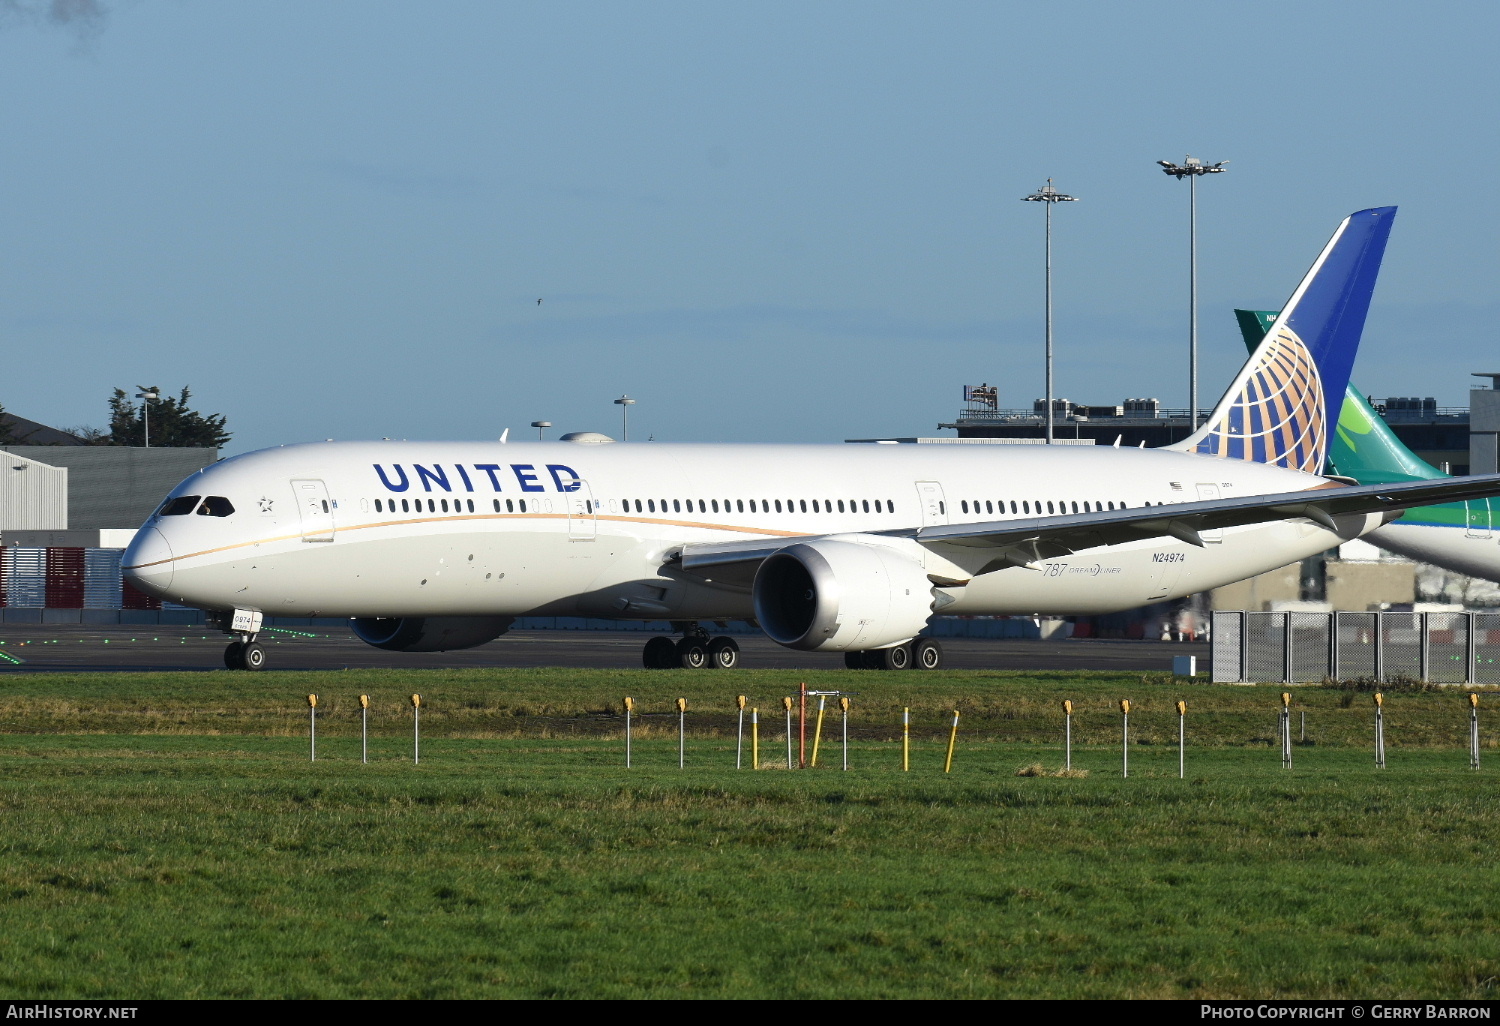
x: 315, y: 509
x: 583, y: 524
x: 930, y: 502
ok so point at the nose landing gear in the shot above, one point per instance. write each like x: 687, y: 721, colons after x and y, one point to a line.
x: 244, y: 655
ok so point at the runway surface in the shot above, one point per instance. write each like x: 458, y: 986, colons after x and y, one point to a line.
x: 71, y: 648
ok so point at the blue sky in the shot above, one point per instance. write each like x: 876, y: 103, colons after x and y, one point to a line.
x: 764, y: 221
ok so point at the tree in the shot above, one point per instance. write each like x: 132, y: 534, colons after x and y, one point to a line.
x: 173, y: 422
x: 9, y: 430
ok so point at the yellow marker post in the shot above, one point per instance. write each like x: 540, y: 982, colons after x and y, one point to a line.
x: 1379, y: 731
x: 1124, y: 737
x: 1067, y: 734
x: 754, y: 738
x: 952, y: 739
x: 1473, y: 730
x: 739, y: 741
x: 312, y: 733
x: 818, y: 730
x: 905, y: 740
x: 1286, y: 730
x: 416, y: 729
x: 844, y: 706
x: 681, y: 733
x: 1181, y: 738
x: 364, y: 728
x: 786, y: 703
x: 629, y: 707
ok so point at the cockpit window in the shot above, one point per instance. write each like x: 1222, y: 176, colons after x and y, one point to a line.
x: 180, y: 506
x: 216, y: 506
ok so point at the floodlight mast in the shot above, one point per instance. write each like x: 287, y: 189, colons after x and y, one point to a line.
x: 1049, y: 195
x: 145, y: 395
x: 624, y: 403
x: 1190, y: 168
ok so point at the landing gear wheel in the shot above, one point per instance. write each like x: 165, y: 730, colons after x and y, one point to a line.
x: 659, y: 654
x: 897, y: 657
x: 723, y: 653
x: 234, y: 656
x: 927, y: 654
x: 692, y: 653
x: 254, y: 657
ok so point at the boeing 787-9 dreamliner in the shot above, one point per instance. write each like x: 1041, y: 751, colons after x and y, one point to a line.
x: 428, y: 546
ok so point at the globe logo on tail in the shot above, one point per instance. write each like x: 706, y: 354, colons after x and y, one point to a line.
x: 1279, y: 415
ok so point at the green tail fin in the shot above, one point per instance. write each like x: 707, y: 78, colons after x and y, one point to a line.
x: 1364, y: 448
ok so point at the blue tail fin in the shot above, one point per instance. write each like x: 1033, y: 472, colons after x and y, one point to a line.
x: 1283, y: 406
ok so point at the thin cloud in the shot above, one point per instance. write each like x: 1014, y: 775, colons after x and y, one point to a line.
x: 84, y: 18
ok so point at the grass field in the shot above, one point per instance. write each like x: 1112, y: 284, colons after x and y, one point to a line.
x: 165, y: 836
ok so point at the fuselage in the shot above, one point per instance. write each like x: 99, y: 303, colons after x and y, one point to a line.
x: 395, y: 529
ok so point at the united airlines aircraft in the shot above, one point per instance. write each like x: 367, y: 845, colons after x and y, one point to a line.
x: 433, y: 546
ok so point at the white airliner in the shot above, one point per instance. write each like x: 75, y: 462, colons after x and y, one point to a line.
x: 433, y: 546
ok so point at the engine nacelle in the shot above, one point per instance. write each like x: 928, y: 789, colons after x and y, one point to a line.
x: 429, y: 633
x: 841, y: 596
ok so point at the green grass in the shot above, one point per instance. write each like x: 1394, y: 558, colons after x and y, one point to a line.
x: 165, y: 836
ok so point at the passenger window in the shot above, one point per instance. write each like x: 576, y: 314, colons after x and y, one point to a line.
x: 651, y: 505
x: 521, y: 504
x: 1075, y: 507
x: 445, y: 505
x: 1025, y: 506
x: 377, y: 505
x: 715, y: 505
x: 1049, y: 507
x: 989, y: 507
x: 841, y: 506
x: 676, y: 505
x: 497, y: 505
x: 778, y: 505
x: 740, y: 505
x: 804, y: 505
x: 215, y: 506
x: 964, y: 505
x: 325, y: 505
x: 470, y: 503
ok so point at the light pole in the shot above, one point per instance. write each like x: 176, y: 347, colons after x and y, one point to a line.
x: 624, y: 403
x: 1190, y: 168
x: 541, y: 429
x: 145, y: 395
x: 1049, y: 195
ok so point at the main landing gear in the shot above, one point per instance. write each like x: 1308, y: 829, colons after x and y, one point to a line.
x: 694, y: 651
x: 922, y: 654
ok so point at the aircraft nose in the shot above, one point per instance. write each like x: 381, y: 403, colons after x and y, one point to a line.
x: 147, y: 563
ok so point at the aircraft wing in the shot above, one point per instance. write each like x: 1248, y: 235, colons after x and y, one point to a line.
x: 1025, y: 541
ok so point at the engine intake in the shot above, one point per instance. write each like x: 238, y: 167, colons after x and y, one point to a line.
x: 429, y: 633
x: 841, y: 596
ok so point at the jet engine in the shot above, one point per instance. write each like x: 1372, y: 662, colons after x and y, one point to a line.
x: 429, y: 633
x: 841, y: 596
